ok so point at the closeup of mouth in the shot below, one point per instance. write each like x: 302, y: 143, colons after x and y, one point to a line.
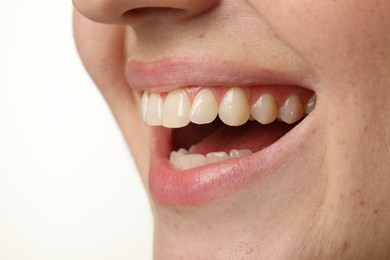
x: 211, y: 140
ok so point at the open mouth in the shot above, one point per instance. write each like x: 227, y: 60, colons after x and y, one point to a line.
x: 218, y: 126
x: 213, y: 125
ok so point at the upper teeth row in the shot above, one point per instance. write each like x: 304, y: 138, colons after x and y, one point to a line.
x: 234, y: 108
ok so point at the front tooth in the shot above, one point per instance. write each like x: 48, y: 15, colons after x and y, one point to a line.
x: 265, y: 110
x: 239, y: 153
x: 191, y: 161
x: 144, y: 102
x: 176, y: 109
x: 292, y: 110
x: 154, y: 110
x: 204, y: 108
x: 311, y: 104
x: 216, y: 157
x: 234, y: 109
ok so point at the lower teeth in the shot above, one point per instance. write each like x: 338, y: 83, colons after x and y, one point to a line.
x: 184, y: 160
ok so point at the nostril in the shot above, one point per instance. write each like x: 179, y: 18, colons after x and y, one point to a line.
x: 152, y: 11
x: 126, y: 11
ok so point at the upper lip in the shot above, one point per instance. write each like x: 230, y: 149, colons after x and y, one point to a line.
x: 170, y: 74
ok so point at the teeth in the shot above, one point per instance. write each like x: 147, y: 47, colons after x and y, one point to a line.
x: 191, y: 148
x: 292, y: 110
x: 190, y: 161
x: 183, y: 151
x: 176, y: 109
x: 216, y: 157
x: 204, y: 108
x: 234, y: 109
x: 265, y: 110
x: 144, y: 102
x: 311, y: 104
x: 182, y: 160
x: 154, y: 110
x: 239, y: 153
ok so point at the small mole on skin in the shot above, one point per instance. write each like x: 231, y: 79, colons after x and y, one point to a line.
x: 375, y: 211
x: 345, y: 246
x: 362, y: 202
x: 342, y: 141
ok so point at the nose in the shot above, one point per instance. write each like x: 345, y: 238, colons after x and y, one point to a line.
x: 123, y: 11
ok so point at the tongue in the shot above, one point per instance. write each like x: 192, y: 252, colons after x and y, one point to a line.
x: 218, y: 137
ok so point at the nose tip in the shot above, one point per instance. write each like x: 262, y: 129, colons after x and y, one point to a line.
x: 121, y: 11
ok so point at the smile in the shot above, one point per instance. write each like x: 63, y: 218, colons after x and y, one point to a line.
x: 234, y: 107
x: 211, y: 140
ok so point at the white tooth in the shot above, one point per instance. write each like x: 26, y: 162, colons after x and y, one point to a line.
x: 192, y: 148
x: 292, y: 110
x: 265, y: 109
x: 191, y: 161
x: 183, y: 151
x: 176, y: 109
x: 174, y: 159
x: 216, y: 157
x: 204, y: 107
x: 311, y: 104
x: 144, y: 106
x: 239, y: 153
x: 234, y: 109
x: 153, y: 113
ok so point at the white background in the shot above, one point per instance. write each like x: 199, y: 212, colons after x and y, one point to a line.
x: 68, y: 186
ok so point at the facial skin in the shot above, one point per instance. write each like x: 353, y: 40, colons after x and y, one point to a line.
x: 329, y: 200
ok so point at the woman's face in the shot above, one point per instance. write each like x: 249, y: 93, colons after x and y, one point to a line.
x: 317, y: 188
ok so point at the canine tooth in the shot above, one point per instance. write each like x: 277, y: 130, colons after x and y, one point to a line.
x: 154, y: 110
x: 239, y: 153
x: 216, y: 157
x: 292, y: 110
x: 311, y: 104
x: 176, y: 109
x: 265, y: 110
x: 204, y: 107
x: 234, y: 109
x: 191, y: 161
x: 144, y: 102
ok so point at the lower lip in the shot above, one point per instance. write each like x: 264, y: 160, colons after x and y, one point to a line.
x: 205, y: 184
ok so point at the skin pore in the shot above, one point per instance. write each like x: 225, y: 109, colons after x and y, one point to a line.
x: 329, y: 200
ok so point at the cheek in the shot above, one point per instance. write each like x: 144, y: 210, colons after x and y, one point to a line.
x: 348, y: 45
x: 102, y: 52
x: 332, y: 35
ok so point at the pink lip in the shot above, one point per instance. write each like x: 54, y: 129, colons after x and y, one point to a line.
x: 167, y: 75
x: 204, y: 184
